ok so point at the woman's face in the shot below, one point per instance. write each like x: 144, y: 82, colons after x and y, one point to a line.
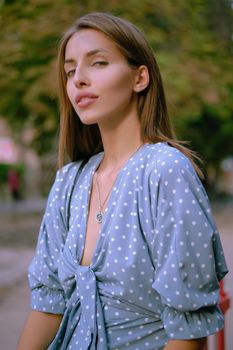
x: 100, y: 82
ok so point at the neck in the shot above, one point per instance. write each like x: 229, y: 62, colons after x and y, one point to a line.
x: 119, y: 143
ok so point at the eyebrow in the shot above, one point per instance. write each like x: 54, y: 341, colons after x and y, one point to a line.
x: 88, y: 54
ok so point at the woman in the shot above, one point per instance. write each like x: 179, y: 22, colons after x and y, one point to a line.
x: 128, y: 255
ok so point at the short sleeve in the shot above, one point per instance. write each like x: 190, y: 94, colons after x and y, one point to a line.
x: 47, y: 294
x: 187, y: 252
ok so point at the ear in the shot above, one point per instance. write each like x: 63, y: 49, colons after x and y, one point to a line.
x: 142, y: 79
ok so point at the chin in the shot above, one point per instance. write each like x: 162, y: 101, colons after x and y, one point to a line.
x: 88, y: 121
x: 91, y: 118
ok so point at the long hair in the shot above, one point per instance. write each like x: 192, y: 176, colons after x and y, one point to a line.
x: 78, y: 141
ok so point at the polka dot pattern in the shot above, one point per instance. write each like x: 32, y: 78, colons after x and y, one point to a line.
x: 157, y: 262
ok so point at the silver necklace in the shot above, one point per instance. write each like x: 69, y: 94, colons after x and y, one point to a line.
x: 100, y: 213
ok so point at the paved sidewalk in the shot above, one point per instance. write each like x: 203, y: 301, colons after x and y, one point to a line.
x: 14, y: 294
x: 13, y: 313
x: 28, y: 205
x: 13, y: 265
x: 18, y: 232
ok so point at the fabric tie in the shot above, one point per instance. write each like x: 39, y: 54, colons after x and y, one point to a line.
x: 83, y: 307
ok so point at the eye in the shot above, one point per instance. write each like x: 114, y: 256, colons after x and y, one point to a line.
x: 100, y: 63
x: 70, y: 73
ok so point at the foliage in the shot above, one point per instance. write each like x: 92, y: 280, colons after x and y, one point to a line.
x: 191, y: 40
x: 211, y: 134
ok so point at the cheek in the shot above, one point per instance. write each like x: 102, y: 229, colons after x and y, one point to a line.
x: 122, y: 85
x: 119, y: 82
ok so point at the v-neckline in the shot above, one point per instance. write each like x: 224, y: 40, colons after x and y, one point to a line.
x: 87, y: 201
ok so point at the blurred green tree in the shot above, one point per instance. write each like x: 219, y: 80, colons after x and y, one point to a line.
x: 192, y: 43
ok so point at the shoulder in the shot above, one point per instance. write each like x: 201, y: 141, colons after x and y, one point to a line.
x: 167, y: 161
x: 67, y: 172
x: 58, y: 199
x: 66, y: 176
x: 64, y: 180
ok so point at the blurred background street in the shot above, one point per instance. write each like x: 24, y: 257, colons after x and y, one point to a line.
x: 192, y: 42
x: 19, y: 227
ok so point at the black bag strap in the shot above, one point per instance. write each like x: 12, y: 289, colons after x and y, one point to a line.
x: 83, y: 162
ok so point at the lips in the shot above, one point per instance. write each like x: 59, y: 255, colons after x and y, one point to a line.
x: 85, y: 99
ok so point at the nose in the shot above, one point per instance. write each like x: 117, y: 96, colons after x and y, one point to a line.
x: 80, y: 77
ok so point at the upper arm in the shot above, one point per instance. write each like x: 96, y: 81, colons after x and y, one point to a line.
x: 47, y: 294
x: 190, y: 261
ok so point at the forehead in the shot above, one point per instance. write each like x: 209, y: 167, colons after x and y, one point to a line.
x: 86, y: 40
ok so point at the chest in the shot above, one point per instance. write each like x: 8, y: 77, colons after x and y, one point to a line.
x: 127, y: 220
x: 97, y: 203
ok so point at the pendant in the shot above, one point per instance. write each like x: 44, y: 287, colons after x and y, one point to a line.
x: 99, y: 217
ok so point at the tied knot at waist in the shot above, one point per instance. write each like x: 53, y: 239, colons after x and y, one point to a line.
x: 86, y: 291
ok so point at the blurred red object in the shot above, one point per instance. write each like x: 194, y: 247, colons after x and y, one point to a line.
x: 225, y: 303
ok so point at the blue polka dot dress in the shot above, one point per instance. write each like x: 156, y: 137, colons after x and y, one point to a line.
x: 157, y: 264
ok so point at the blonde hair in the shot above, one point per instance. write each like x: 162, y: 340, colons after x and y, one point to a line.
x: 78, y: 141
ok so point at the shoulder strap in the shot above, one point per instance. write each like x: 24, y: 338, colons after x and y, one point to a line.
x: 83, y: 162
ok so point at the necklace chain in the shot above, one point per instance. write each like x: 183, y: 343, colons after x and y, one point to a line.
x: 100, y: 213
